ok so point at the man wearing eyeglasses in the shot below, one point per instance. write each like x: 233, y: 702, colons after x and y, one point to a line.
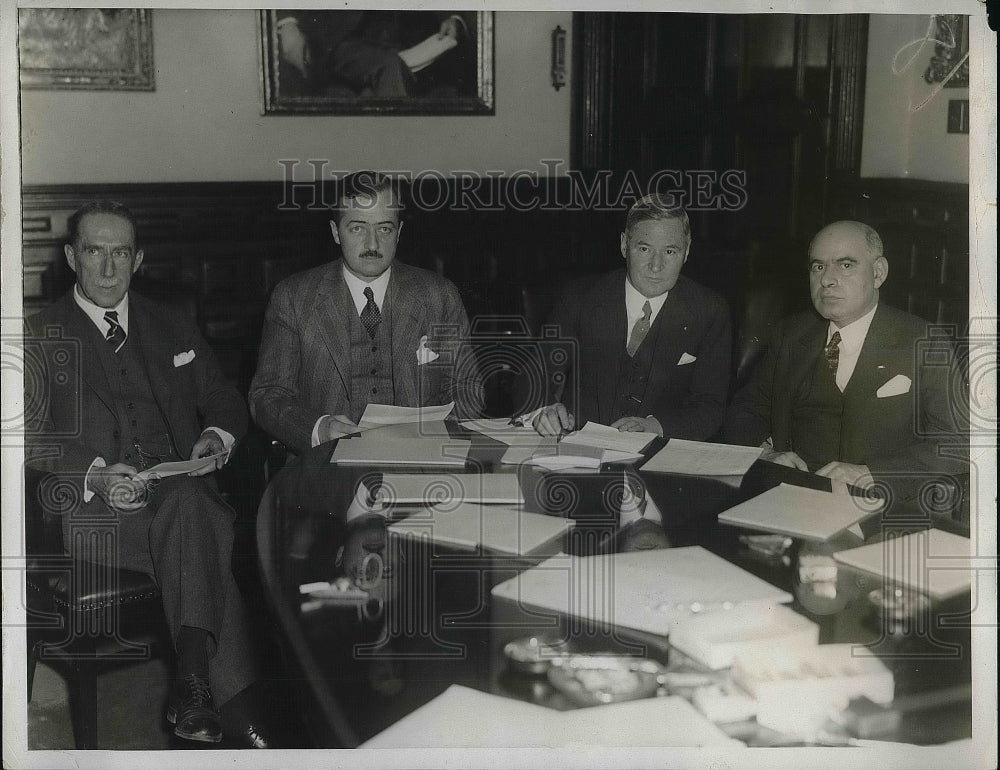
x: 121, y: 385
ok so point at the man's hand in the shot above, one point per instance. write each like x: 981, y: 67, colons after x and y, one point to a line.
x: 639, y: 424
x: 336, y: 426
x: 209, y: 443
x: 119, y: 487
x: 553, y: 420
x: 849, y: 473
x: 788, y: 459
x: 293, y: 44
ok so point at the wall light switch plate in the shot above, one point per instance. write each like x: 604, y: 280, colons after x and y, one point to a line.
x: 958, y: 116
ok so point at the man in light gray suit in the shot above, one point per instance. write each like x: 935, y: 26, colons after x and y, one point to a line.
x: 359, y: 330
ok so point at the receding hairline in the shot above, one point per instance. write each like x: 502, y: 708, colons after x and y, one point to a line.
x: 656, y: 208
x: 873, y: 240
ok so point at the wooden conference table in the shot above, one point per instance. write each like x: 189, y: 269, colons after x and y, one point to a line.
x: 360, y: 669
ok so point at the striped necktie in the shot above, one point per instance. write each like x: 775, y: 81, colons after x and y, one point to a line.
x: 116, y: 334
x: 640, y: 330
x: 371, y: 316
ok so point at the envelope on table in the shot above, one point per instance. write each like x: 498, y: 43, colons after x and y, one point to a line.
x: 897, y: 386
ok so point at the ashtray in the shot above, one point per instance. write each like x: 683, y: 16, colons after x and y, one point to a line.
x: 592, y: 680
x: 534, y: 654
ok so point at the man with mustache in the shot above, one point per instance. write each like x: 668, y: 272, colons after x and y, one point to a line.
x: 850, y: 393
x: 361, y: 330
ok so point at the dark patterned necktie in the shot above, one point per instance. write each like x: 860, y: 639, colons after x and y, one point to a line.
x: 116, y: 334
x: 640, y: 330
x: 832, y: 353
x: 371, y: 316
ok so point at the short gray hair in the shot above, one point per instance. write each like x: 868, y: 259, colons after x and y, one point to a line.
x: 654, y: 207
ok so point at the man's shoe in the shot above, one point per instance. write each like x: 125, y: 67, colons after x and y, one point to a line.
x: 192, y: 711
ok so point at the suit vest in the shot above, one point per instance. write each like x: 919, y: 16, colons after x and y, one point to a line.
x: 143, y: 433
x: 371, y: 362
x: 633, y: 377
x: 817, y: 418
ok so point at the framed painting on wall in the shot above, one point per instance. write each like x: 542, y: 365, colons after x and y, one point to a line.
x: 360, y: 62
x: 106, y: 49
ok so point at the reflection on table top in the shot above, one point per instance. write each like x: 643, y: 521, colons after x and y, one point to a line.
x: 429, y: 620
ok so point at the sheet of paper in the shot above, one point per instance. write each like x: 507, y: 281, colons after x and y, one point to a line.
x: 375, y: 450
x: 163, y: 470
x: 455, y: 719
x: 432, y: 488
x: 500, y: 529
x: 644, y: 590
x: 385, y: 414
x: 594, y: 434
x: 934, y: 562
x: 800, y: 512
x: 701, y: 458
x: 503, y: 431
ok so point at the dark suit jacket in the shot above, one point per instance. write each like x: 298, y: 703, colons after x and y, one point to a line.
x: 303, y: 370
x: 688, y: 399
x: 899, y: 437
x: 71, y: 417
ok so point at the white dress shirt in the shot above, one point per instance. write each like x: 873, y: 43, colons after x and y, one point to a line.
x: 634, y: 302
x: 357, y: 289
x: 852, y: 339
x: 96, y: 314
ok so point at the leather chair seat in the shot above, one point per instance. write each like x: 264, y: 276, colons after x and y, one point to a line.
x: 49, y: 579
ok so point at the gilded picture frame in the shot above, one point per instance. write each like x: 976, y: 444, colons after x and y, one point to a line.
x: 375, y: 62
x: 93, y: 49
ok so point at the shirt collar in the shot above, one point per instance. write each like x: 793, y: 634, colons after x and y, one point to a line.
x: 853, y: 335
x: 357, y: 288
x: 634, y: 300
x: 96, y: 313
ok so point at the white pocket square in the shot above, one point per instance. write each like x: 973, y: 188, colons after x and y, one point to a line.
x: 183, y: 358
x: 686, y: 358
x: 897, y: 386
x: 424, y: 354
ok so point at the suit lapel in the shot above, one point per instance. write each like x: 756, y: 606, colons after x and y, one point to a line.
x: 406, y: 315
x: 91, y: 370
x: 873, y: 367
x: 333, y: 303
x: 669, y: 335
x: 156, y: 351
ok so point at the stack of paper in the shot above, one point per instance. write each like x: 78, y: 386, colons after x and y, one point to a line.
x: 594, y: 434
x: 376, y: 415
x: 701, y: 458
x: 806, y: 513
x: 373, y: 449
x: 553, y: 454
x: 718, y: 638
x: 503, y: 431
x: 643, y: 590
x: 163, y: 470
x: 465, y: 718
x: 432, y: 488
x: 933, y: 562
x: 500, y: 529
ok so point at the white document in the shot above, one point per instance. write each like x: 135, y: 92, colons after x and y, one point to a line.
x: 503, y: 431
x: 372, y: 450
x: 643, y: 590
x: 702, y: 458
x: 501, y: 529
x: 933, y: 562
x: 427, y: 51
x: 807, y: 513
x: 594, y: 434
x: 384, y: 414
x: 163, y: 470
x: 432, y: 488
x: 465, y: 718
